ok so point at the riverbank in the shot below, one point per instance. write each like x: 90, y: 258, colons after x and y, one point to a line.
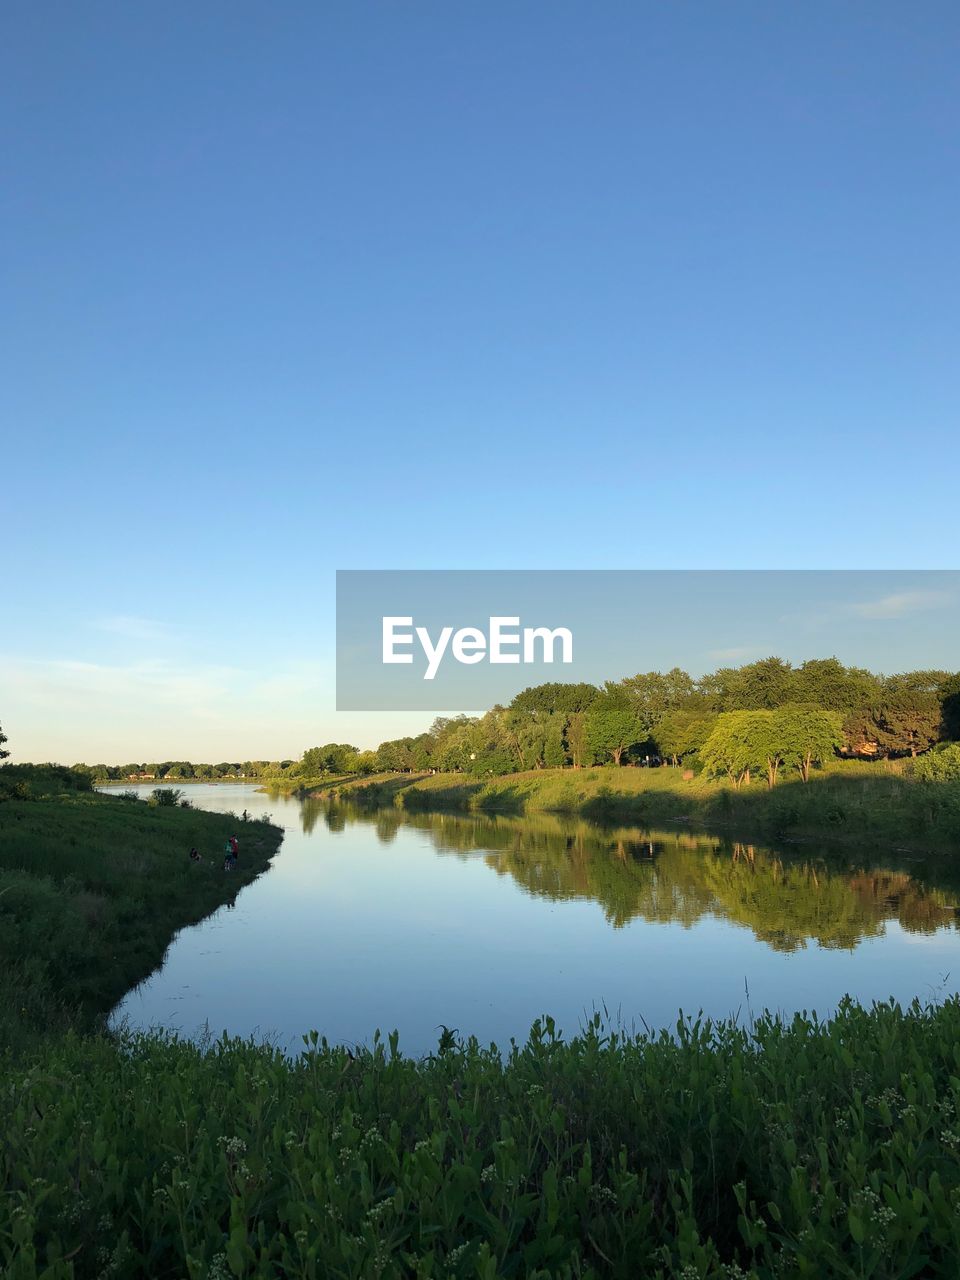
x: 865, y: 803
x: 300, y: 786
x: 92, y: 889
x: 811, y: 1149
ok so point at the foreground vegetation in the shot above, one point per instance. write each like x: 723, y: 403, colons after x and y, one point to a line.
x: 93, y: 887
x: 812, y: 1149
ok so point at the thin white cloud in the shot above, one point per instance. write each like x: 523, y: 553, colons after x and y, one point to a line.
x: 902, y: 604
x: 66, y: 709
x: 134, y: 688
x: 132, y: 628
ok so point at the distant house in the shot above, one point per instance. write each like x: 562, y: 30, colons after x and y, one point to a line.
x: 866, y: 747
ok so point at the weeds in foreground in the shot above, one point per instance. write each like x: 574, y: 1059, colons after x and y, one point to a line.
x: 773, y: 1150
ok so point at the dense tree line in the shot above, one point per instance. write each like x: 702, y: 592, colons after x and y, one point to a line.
x: 766, y: 717
x: 187, y: 770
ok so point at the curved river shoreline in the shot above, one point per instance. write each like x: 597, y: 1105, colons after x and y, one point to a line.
x: 387, y: 919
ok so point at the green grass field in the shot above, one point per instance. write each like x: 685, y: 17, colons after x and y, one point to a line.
x: 92, y: 889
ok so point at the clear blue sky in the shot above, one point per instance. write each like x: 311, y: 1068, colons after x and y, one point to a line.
x: 287, y: 288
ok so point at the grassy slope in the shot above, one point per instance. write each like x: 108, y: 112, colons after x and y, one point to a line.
x: 862, y: 802
x: 92, y: 888
x: 298, y: 784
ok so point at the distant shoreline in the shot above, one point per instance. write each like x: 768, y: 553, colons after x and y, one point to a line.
x: 179, y: 782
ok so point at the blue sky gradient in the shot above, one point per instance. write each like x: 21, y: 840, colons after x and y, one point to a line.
x: 293, y: 288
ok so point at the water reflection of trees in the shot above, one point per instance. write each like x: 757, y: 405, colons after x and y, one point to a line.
x: 680, y: 877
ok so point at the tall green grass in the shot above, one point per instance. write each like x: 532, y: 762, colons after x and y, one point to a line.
x: 817, y: 1149
x: 92, y: 889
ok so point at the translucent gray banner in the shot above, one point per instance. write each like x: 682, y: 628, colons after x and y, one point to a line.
x: 464, y: 640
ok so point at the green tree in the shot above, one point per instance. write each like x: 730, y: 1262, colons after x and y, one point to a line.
x: 422, y: 748
x: 3, y: 739
x: 576, y: 738
x: 737, y: 745
x: 681, y: 732
x: 654, y: 693
x: 554, y: 752
x: 555, y: 697
x: 827, y: 683
x: 395, y: 756
x: 333, y: 757
x: 806, y: 736
x: 909, y: 721
x: 950, y: 708
x: 612, y: 724
x: 925, y: 681
x: 757, y: 686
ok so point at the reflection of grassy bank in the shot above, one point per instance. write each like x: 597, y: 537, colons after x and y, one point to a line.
x: 867, y: 805
x: 92, y: 889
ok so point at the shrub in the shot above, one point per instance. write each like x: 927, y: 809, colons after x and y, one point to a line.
x: 940, y: 765
x: 167, y: 797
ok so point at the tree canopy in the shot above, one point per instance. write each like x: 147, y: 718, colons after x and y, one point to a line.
x: 763, y: 716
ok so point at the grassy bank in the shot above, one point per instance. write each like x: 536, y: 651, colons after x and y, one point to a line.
x: 92, y: 889
x: 303, y: 785
x: 864, y: 802
x: 778, y: 1151
x: 765, y: 1151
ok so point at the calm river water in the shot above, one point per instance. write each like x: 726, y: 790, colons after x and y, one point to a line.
x: 387, y: 920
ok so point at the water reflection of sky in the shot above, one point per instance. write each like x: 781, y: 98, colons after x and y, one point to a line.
x: 347, y: 933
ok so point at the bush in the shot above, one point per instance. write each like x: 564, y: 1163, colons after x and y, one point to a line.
x: 940, y: 765
x: 167, y: 797
x: 35, y: 781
